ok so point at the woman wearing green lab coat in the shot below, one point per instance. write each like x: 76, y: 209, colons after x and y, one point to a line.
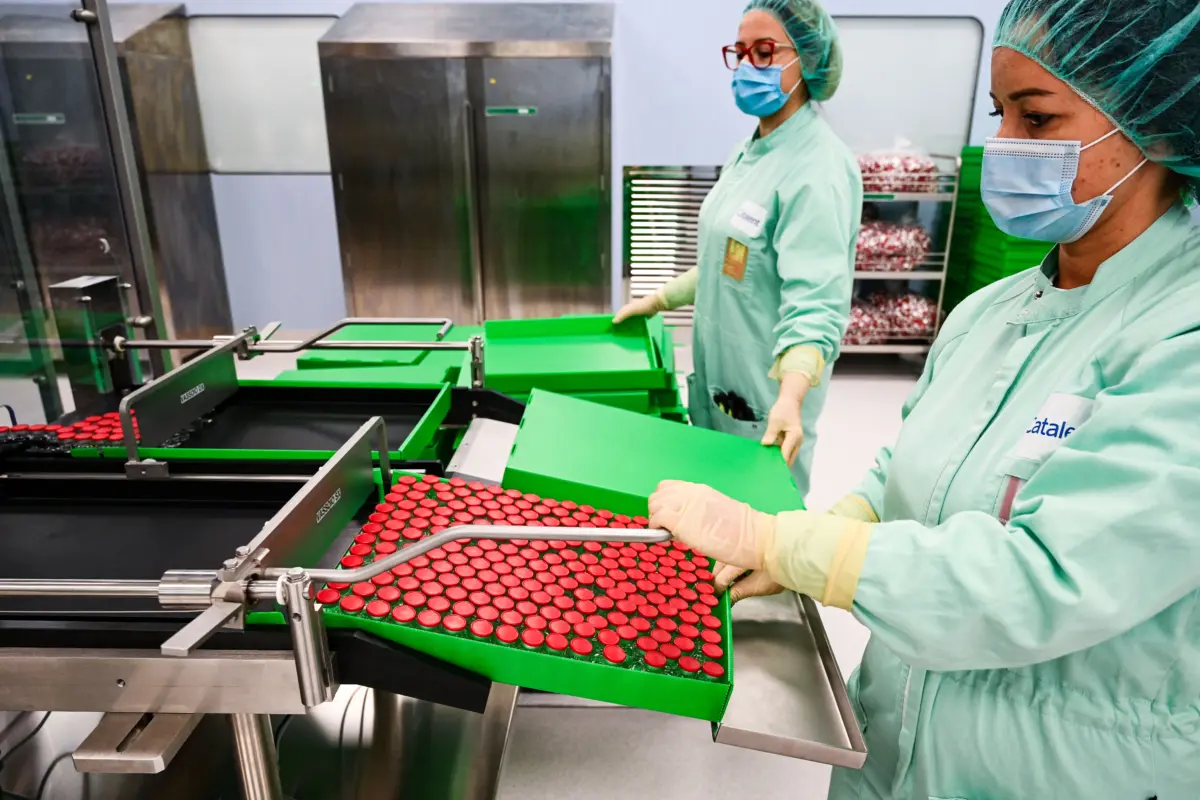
x: 1027, y: 555
x: 777, y: 232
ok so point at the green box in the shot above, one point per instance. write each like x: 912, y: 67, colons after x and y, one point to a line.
x: 572, y: 354
x: 615, y: 459
x: 590, y: 677
x: 435, y: 369
x: 324, y: 359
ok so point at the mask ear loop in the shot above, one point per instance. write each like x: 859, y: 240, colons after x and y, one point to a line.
x: 796, y: 60
x: 1133, y: 172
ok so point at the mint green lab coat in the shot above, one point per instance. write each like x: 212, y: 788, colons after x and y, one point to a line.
x: 1056, y: 656
x: 794, y: 201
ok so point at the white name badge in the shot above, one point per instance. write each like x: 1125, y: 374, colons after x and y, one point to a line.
x: 1059, y: 418
x: 750, y: 219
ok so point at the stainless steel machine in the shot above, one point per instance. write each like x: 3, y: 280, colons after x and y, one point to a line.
x: 64, y: 175
x: 470, y: 150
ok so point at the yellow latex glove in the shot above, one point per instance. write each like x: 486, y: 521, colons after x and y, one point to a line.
x: 784, y: 425
x: 742, y: 585
x: 820, y: 556
x: 677, y: 293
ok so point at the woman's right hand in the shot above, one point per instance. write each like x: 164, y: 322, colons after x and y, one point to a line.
x: 647, y: 306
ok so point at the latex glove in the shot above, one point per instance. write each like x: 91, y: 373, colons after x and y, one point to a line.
x: 677, y: 293
x: 648, y: 306
x: 715, y: 525
x: 818, y: 555
x: 742, y: 585
x: 784, y: 425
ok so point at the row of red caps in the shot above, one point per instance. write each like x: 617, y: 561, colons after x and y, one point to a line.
x: 98, y: 428
x: 653, y: 596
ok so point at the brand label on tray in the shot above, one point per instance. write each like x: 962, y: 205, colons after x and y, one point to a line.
x: 195, y: 391
x: 329, y: 504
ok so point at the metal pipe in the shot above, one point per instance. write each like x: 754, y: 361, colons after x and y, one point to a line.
x: 189, y: 588
x: 313, y: 668
x: 19, y: 587
x: 258, y: 765
x: 287, y: 345
x: 477, y: 373
x: 499, y: 532
x: 95, y: 16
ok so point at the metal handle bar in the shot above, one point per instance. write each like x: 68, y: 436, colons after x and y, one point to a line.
x: 498, y: 532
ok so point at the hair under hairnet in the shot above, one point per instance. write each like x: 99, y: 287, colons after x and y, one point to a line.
x: 1137, y: 62
x: 815, y: 38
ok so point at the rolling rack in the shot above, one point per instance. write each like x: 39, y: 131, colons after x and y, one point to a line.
x: 662, y: 217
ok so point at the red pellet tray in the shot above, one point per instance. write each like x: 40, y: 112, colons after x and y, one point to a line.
x: 633, y: 624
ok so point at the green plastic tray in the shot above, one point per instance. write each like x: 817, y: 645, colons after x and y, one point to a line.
x: 418, y: 442
x: 572, y: 354
x: 323, y: 359
x: 615, y: 459
x: 434, y: 370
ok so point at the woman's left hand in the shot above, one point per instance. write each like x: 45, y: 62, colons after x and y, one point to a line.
x: 742, y: 584
x: 785, y: 428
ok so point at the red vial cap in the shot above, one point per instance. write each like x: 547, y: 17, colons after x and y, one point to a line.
x: 533, y: 638
x: 710, y: 622
x: 614, y: 654
x: 352, y: 603
x: 689, y: 664
x: 556, y: 641
x: 608, y: 637
x: 389, y: 594
x: 581, y: 647
x: 454, y: 622
x: 684, y: 644
x: 408, y: 583
x: 561, y: 627
x: 670, y: 651
x: 597, y: 621
x: 482, y: 628
x: 690, y: 631
x: 487, y: 613
x: 536, y: 623
x: 647, y: 644
x: 440, y: 604
x: 429, y: 619
x: 457, y: 593
x: 655, y: 659
x: 378, y: 608
x: 641, y: 624
x: 512, y: 618
x: 690, y: 617
x: 585, y: 630
x: 711, y: 636
x: 660, y: 636
x: 712, y: 650
x: 627, y: 632
x: 338, y: 586
x: 507, y: 634
x: 328, y: 596
x: 404, y: 613
x: 365, y: 589
x: 665, y: 623
x: 713, y: 669
x: 504, y: 603
x: 415, y: 599
x: 464, y: 608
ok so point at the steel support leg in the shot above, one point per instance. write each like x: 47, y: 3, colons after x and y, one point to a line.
x: 258, y: 765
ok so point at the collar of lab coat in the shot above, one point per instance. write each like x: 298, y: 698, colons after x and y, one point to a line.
x: 1149, y: 251
x: 795, y: 129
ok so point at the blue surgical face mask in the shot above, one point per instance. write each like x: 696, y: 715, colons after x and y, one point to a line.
x: 759, y: 92
x: 1027, y: 188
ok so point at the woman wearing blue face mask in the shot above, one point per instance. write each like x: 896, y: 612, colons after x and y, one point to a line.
x: 776, y: 259
x: 1027, y: 555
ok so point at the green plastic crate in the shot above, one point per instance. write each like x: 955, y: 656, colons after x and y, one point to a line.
x: 615, y: 459
x: 572, y: 354
x: 324, y: 359
x: 435, y: 369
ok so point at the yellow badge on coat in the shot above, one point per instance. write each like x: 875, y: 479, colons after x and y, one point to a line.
x: 736, y: 255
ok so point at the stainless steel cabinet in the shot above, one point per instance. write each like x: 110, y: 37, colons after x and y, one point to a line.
x: 470, y: 151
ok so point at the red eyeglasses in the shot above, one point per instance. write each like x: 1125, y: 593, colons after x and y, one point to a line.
x: 761, y: 53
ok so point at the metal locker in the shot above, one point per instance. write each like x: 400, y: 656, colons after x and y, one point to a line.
x: 470, y: 149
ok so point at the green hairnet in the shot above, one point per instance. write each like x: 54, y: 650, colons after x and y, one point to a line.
x: 815, y: 38
x: 1137, y: 62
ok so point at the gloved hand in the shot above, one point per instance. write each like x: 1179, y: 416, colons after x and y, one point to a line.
x: 743, y: 585
x: 817, y: 555
x: 677, y: 293
x: 708, y: 521
x: 649, y: 306
x: 784, y: 425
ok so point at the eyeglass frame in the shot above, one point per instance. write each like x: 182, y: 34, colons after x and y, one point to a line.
x: 742, y: 51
